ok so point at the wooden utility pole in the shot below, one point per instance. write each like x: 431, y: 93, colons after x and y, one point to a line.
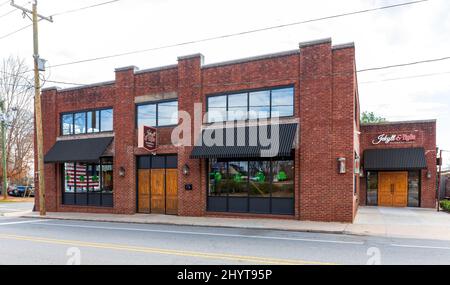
x: 37, y: 101
x: 4, y: 157
x: 439, y: 182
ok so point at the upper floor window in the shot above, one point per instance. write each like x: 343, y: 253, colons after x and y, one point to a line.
x: 158, y: 114
x: 276, y: 102
x: 87, y: 122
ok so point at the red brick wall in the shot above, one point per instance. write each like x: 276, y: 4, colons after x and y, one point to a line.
x: 327, y: 93
x: 425, y: 137
x: 325, y: 103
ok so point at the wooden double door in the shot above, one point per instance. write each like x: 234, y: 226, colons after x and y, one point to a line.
x: 393, y: 189
x: 158, y: 191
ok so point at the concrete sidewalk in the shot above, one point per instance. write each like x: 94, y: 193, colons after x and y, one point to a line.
x: 15, y: 209
x: 370, y: 221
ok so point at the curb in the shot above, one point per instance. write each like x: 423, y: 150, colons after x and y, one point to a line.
x: 339, y: 232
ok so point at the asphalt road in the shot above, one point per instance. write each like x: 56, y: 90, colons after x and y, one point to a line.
x: 35, y: 241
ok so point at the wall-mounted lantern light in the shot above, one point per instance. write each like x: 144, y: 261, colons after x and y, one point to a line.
x: 341, y: 164
x: 186, y: 170
x: 428, y: 174
x: 121, y: 171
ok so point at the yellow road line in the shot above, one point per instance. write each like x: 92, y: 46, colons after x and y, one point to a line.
x: 222, y: 256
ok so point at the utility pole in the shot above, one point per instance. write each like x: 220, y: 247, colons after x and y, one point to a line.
x: 439, y: 178
x: 4, y: 160
x: 439, y: 182
x: 37, y: 100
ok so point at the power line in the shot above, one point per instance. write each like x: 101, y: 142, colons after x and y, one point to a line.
x: 84, y: 8
x: 6, y: 14
x: 16, y: 31
x: 4, y: 3
x: 406, y: 77
x: 57, y: 14
x: 404, y: 64
x: 240, y: 33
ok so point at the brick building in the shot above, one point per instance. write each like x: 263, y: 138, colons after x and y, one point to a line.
x: 399, y: 163
x: 93, y: 138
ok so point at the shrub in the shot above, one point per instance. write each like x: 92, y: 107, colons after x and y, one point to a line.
x: 445, y: 205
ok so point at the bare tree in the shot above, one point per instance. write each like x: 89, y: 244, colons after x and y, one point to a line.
x: 16, y: 93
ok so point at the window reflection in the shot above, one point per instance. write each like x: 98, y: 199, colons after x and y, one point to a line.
x: 106, y: 119
x: 67, y: 124
x: 260, y: 178
x: 157, y: 114
x: 238, y: 173
x: 372, y: 188
x: 217, y: 109
x: 259, y: 104
x: 282, y: 102
x: 87, y: 122
x: 237, y: 107
x: 266, y: 185
x: 277, y: 102
x: 93, y: 122
x: 168, y: 113
x: 88, y: 184
x: 413, y: 188
x: 283, y: 178
x: 218, y: 178
x: 80, y: 123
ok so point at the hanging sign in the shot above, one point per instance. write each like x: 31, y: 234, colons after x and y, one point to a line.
x: 394, y: 138
x: 147, y: 138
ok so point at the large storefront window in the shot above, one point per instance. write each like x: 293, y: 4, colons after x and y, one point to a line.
x: 372, y: 188
x: 88, y: 184
x: 413, y: 188
x: 251, y: 186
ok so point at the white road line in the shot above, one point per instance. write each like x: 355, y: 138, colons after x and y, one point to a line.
x: 21, y: 222
x: 204, y: 234
x: 420, y: 246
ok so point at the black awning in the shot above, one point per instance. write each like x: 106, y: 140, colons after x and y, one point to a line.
x: 247, y: 142
x: 81, y: 150
x: 395, y: 159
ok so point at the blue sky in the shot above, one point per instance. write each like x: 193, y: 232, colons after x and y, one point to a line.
x: 404, y: 34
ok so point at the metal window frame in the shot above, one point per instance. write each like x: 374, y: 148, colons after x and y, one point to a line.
x: 156, y: 103
x: 271, y: 160
x: 82, y: 111
x: 248, y: 91
x: 63, y: 171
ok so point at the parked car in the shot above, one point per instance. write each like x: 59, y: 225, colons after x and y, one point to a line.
x: 10, y: 189
x: 19, y: 191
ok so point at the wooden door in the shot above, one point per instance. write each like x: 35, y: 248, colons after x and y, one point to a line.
x: 400, y: 195
x: 172, y: 191
x: 393, y: 189
x: 158, y: 199
x: 384, y: 189
x: 144, y: 191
